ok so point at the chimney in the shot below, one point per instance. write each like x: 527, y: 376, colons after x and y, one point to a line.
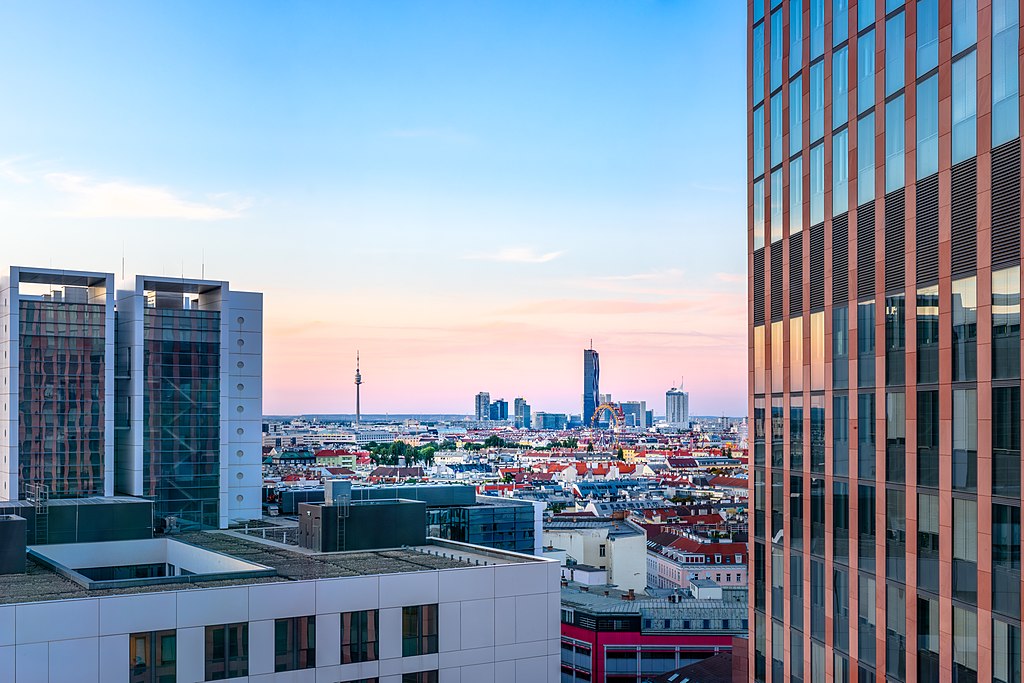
x: 631, y: 595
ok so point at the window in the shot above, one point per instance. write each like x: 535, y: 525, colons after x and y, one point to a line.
x: 895, y: 37
x: 1006, y: 323
x: 965, y: 329
x: 866, y: 506
x: 866, y: 344
x: 419, y: 630
x: 840, y: 86
x: 817, y: 184
x: 775, y: 149
x: 601, y: 550
x: 817, y: 126
x: 153, y: 657
x: 928, y: 127
x: 758, y: 65
x: 840, y: 434
x: 928, y: 542
x: 865, y: 14
x: 965, y: 644
x: 866, y: 159
x: 965, y: 24
x: 965, y: 439
x: 1005, y: 652
x: 927, y: 36
x: 928, y: 335
x: 759, y: 142
x: 928, y: 639
x: 866, y: 72
x: 965, y: 107
x: 796, y: 195
x: 866, y: 435
x: 796, y: 512
x: 840, y: 347
x: 965, y: 550
x: 796, y: 37
x: 359, y: 636
x: 778, y: 199
x: 420, y: 677
x: 895, y: 437
x: 294, y: 643
x: 895, y: 143
x: 840, y: 21
x: 759, y: 214
x: 796, y: 115
x: 1005, y: 88
x: 841, y: 521
x: 895, y: 632
x: 1006, y: 441
x: 777, y: 41
x: 895, y: 339
x: 1006, y: 559
x: 817, y: 364
x: 796, y: 361
x: 928, y: 438
x: 817, y: 28
x: 840, y: 172
x: 227, y: 651
x: 866, y: 619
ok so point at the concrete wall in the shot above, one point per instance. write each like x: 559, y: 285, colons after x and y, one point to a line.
x: 495, y: 623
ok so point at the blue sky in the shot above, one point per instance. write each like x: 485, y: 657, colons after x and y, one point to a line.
x: 467, y: 191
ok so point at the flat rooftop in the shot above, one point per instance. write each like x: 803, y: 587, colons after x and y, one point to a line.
x: 40, y: 584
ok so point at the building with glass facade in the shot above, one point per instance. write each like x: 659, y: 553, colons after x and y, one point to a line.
x: 189, y: 392
x: 57, y: 372
x: 591, y: 382
x: 884, y: 252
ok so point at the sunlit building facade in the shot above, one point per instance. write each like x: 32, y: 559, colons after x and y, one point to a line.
x: 884, y: 251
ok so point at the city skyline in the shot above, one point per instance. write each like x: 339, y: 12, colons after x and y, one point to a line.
x: 453, y: 202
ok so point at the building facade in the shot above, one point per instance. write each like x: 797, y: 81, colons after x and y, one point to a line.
x: 591, y: 383
x: 677, y: 408
x: 499, y: 410
x: 189, y: 387
x: 884, y: 251
x: 522, y: 414
x: 58, y: 380
x: 483, y: 406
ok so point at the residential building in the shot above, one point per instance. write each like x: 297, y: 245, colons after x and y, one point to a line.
x: 189, y: 391
x: 618, y: 546
x: 677, y: 408
x: 591, y: 384
x: 676, y: 560
x: 483, y: 406
x: 58, y: 384
x: 884, y: 251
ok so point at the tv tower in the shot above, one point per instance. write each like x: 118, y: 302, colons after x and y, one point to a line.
x: 359, y: 380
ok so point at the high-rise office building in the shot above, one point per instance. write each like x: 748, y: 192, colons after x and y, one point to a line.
x: 189, y: 391
x: 499, y: 410
x: 591, y: 382
x: 884, y: 166
x: 677, y: 408
x: 57, y: 367
x: 635, y: 413
x: 483, y: 406
x: 522, y: 413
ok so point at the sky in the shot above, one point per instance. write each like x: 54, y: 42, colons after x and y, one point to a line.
x: 467, y: 192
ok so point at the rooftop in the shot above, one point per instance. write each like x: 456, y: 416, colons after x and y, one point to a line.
x: 40, y: 583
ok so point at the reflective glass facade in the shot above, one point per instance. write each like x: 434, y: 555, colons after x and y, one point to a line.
x: 888, y: 521
x: 181, y: 456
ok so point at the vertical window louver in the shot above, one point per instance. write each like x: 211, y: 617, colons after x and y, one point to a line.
x: 776, y: 288
x: 796, y: 275
x: 1006, y: 203
x: 817, y: 274
x: 866, y: 251
x: 841, y: 260
x: 964, y: 217
x: 927, y: 246
x: 759, y: 287
x: 895, y: 241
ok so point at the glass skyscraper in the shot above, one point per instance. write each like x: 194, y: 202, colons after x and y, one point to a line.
x: 884, y: 214
x: 591, y: 381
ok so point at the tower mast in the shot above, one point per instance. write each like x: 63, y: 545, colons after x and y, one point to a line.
x: 359, y: 380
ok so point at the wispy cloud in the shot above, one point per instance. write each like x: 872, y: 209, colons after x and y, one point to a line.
x: 731, y: 278
x: 68, y: 194
x: 515, y: 255
x: 91, y: 198
x: 671, y: 273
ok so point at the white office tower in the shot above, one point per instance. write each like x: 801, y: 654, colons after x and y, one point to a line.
x: 190, y: 399
x: 677, y: 408
x: 56, y: 369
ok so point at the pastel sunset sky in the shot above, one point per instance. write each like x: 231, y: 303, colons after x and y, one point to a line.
x: 467, y: 192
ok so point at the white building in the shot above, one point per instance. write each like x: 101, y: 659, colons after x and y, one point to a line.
x: 677, y: 408
x: 617, y: 546
x: 438, y: 612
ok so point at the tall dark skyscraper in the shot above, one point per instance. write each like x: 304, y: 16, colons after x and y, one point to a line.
x: 591, y: 380
x: 884, y: 168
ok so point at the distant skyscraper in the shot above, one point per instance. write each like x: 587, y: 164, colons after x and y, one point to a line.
x: 483, y: 406
x: 189, y: 382
x: 499, y: 410
x: 591, y: 382
x: 522, y: 413
x: 635, y: 413
x: 677, y: 408
x: 58, y: 370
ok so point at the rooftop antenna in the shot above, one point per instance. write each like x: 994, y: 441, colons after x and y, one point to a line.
x: 359, y: 381
x: 203, y: 271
